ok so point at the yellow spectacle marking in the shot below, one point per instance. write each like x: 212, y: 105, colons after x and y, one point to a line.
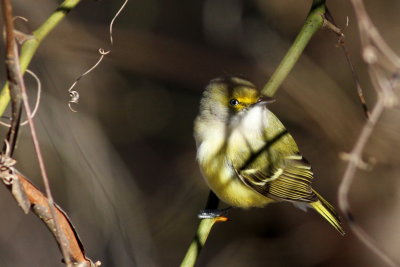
x: 247, y: 100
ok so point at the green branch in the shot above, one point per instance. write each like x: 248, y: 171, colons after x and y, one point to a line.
x: 203, y: 230
x: 313, y: 23
x: 30, y: 46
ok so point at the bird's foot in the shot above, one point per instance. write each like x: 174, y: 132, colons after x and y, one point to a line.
x: 210, y: 214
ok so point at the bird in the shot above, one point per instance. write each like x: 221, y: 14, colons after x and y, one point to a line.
x: 246, y: 155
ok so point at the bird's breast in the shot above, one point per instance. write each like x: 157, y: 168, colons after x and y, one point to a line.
x: 221, y: 148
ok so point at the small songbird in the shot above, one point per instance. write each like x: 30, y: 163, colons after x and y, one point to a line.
x: 247, y: 156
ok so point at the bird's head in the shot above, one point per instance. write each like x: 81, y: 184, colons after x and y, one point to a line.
x: 228, y: 97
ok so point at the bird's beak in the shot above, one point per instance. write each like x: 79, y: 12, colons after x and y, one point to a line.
x: 265, y: 100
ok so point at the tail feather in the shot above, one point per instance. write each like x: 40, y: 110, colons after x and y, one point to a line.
x: 327, y: 211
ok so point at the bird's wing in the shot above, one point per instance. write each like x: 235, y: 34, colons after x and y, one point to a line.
x: 290, y: 181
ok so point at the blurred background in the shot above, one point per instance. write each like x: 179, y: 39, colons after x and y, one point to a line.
x: 124, y: 167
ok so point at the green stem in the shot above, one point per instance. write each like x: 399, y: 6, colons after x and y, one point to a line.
x: 30, y: 46
x: 314, y: 22
x: 203, y: 230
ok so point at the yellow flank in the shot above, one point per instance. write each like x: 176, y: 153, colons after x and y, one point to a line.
x: 223, y: 180
x: 220, y: 174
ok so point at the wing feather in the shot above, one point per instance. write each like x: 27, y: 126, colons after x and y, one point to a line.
x: 290, y: 182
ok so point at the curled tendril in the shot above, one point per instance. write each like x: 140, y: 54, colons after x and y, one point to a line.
x: 39, y: 93
x: 74, y: 99
x: 6, y: 152
x: 73, y: 94
x: 112, y: 21
x: 21, y: 18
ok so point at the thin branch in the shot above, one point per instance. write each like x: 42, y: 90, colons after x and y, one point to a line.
x: 61, y: 239
x: 17, y: 92
x: 313, y: 23
x: 329, y: 23
x: 381, y: 60
x: 354, y: 158
x: 29, y: 198
x: 360, y: 92
x: 13, y: 76
x: 24, y: 195
x: 203, y: 230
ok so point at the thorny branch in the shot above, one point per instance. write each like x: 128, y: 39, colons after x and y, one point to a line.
x: 28, y: 196
x: 381, y: 61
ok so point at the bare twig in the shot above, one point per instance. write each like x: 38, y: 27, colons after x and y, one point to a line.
x: 23, y: 193
x: 354, y: 158
x: 381, y: 60
x: 18, y: 91
x: 13, y: 76
x: 29, y: 198
x: 59, y: 234
x: 329, y: 23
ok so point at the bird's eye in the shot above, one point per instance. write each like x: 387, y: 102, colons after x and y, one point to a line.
x: 233, y: 102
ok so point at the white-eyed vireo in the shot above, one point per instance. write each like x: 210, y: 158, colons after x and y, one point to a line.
x: 246, y: 155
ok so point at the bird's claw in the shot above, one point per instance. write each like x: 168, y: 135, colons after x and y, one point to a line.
x: 211, y: 214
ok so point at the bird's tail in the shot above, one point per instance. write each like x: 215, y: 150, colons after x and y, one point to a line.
x: 328, y: 212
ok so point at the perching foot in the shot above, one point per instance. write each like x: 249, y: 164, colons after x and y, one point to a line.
x: 210, y: 214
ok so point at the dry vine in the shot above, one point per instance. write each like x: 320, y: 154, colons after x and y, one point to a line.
x: 25, y: 193
x: 329, y: 23
x: 382, y: 63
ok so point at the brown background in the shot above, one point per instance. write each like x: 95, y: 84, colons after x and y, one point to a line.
x: 124, y: 167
